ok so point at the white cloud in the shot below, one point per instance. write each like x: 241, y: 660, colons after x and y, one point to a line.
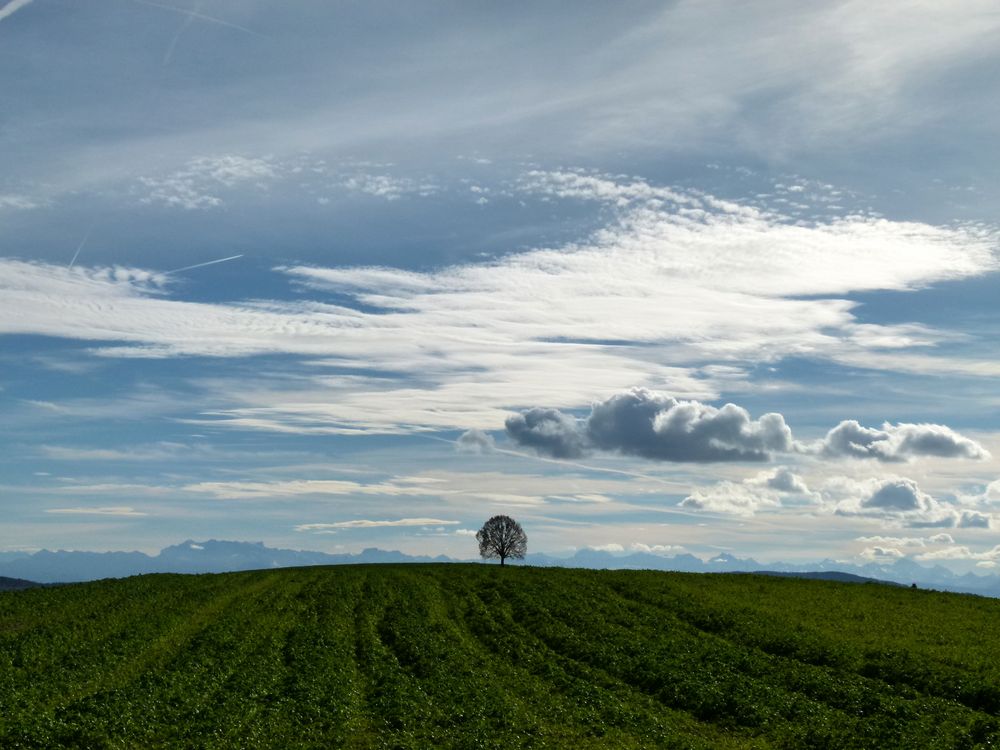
x: 366, y: 524
x: 476, y: 442
x: 908, y: 541
x: 388, y: 186
x: 678, y: 284
x: 899, y: 442
x: 464, y: 532
x: 656, y: 549
x: 12, y: 7
x: 962, y: 552
x: 400, y: 487
x: 195, y: 185
x: 15, y: 201
x: 155, y: 452
x: 767, y: 489
x: 613, y: 547
x: 882, y: 554
x: 115, y: 510
x: 897, y: 500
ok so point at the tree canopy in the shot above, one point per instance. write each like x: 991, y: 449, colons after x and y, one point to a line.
x: 502, y: 537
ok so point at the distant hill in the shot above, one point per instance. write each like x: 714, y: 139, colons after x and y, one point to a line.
x: 825, y: 575
x: 15, y: 584
x: 419, y: 656
x: 216, y: 556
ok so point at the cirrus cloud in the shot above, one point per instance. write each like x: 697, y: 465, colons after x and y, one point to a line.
x: 368, y: 524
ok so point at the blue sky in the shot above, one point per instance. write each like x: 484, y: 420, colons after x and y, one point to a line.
x: 665, y: 276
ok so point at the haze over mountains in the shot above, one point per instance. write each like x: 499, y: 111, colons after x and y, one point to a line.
x: 217, y: 556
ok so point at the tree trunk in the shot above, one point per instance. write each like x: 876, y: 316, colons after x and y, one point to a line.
x: 501, y: 560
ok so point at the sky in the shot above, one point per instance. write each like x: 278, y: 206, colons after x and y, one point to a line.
x: 657, y: 276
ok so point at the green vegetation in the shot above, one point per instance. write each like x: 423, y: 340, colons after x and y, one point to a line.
x: 482, y: 657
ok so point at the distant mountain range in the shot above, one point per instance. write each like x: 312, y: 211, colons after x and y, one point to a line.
x: 215, y: 556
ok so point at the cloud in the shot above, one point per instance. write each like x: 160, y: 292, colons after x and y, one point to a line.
x: 896, y: 443
x: 388, y: 186
x: 664, y: 289
x: 193, y: 14
x: 475, y: 441
x: 909, y: 541
x: 961, y: 552
x: 195, y: 185
x: 656, y: 549
x: 155, y: 452
x: 548, y: 431
x: 768, y: 489
x: 12, y: 7
x: 14, y: 201
x: 898, y: 495
x: 614, y: 548
x: 898, y: 500
x: 882, y: 554
x: 236, y: 490
x: 783, y: 480
x: 115, y: 510
x: 653, y: 425
x: 972, y: 519
x: 464, y: 532
x: 366, y: 524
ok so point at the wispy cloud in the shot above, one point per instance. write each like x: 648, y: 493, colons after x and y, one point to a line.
x: 114, y: 510
x: 12, y: 7
x: 12, y: 200
x: 671, y: 284
x: 366, y: 524
x: 198, y: 16
x: 403, y: 486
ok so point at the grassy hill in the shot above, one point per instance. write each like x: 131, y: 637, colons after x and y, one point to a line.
x: 476, y: 656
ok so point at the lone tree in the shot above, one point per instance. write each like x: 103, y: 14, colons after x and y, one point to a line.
x: 502, y: 537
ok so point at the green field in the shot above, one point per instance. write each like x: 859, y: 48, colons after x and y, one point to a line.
x: 477, y: 656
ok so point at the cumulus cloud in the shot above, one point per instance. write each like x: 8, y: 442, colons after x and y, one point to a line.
x: 656, y: 549
x: 899, y: 500
x: 653, y: 425
x: 898, y: 495
x: 475, y: 441
x: 900, y: 442
x: 614, y: 548
x: 367, y: 524
x: 548, y: 431
x: 768, y: 489
x: 882, y: 554
x: 783, y: 480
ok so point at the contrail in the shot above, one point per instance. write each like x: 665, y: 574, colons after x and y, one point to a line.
x: 80, y: 246
x: 12, y: 7
x: 168, y: 56
x: 194, y: 14
x: 202, y: 265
